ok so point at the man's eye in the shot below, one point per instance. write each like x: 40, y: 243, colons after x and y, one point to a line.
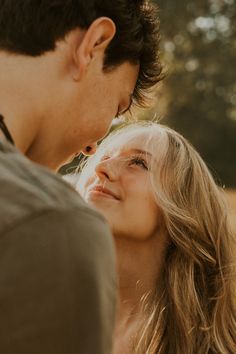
x: 118, y: 113
x: 139, y: 162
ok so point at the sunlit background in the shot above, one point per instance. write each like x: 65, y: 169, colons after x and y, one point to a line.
x: 198, y: 96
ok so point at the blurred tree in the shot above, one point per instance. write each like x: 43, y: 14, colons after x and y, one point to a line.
x: 198, y: 47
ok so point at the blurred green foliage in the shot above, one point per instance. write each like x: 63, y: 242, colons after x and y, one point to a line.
x: 198, y: 96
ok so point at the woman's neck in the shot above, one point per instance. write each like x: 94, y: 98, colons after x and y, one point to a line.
x: 139, y: 266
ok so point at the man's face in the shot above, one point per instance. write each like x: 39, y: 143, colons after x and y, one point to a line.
x: 79, y: 98
x: 94, y: 102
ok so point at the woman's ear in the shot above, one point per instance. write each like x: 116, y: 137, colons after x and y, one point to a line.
x: 86, y: 44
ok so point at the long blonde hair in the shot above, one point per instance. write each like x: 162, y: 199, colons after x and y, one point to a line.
x: 192, y: 311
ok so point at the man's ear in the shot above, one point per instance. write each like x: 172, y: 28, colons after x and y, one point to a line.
x: 87, y: 44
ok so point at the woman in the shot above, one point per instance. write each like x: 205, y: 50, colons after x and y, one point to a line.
x: 174, y: 246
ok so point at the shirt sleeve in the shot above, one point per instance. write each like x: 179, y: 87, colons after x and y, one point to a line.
x: 58, y: 285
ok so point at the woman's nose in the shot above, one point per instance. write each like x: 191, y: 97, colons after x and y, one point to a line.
x: 107, y: 169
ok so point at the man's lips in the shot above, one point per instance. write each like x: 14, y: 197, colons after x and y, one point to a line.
x: 104, y: 190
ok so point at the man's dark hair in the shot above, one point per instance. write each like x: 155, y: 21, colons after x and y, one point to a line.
x: 32, y: 27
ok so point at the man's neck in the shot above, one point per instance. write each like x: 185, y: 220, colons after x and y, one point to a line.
x: 4, y: 130
x: 17, y: 101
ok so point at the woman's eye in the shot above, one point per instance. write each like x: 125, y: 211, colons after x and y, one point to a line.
x: 139, y: 161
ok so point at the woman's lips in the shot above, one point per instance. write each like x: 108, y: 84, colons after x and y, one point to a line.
x: 103, y: 191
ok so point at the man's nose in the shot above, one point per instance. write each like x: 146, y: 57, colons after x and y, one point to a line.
x: 90, y: 149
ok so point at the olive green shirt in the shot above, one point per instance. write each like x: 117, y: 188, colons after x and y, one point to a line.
x: 57, y: 272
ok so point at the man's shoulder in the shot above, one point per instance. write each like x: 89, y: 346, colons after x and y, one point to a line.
x: 28, y: 189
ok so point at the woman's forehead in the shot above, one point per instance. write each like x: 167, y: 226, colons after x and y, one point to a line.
x: 142, y: 139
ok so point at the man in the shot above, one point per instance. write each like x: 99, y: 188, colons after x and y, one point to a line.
x: 67, y: 67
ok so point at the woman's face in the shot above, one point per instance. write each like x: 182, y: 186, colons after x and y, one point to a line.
x: 118, y: 184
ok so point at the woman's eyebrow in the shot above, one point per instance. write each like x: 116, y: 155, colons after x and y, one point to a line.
x: 140, y: 151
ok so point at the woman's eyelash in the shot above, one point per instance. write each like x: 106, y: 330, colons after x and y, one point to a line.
x: 139, y: 161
